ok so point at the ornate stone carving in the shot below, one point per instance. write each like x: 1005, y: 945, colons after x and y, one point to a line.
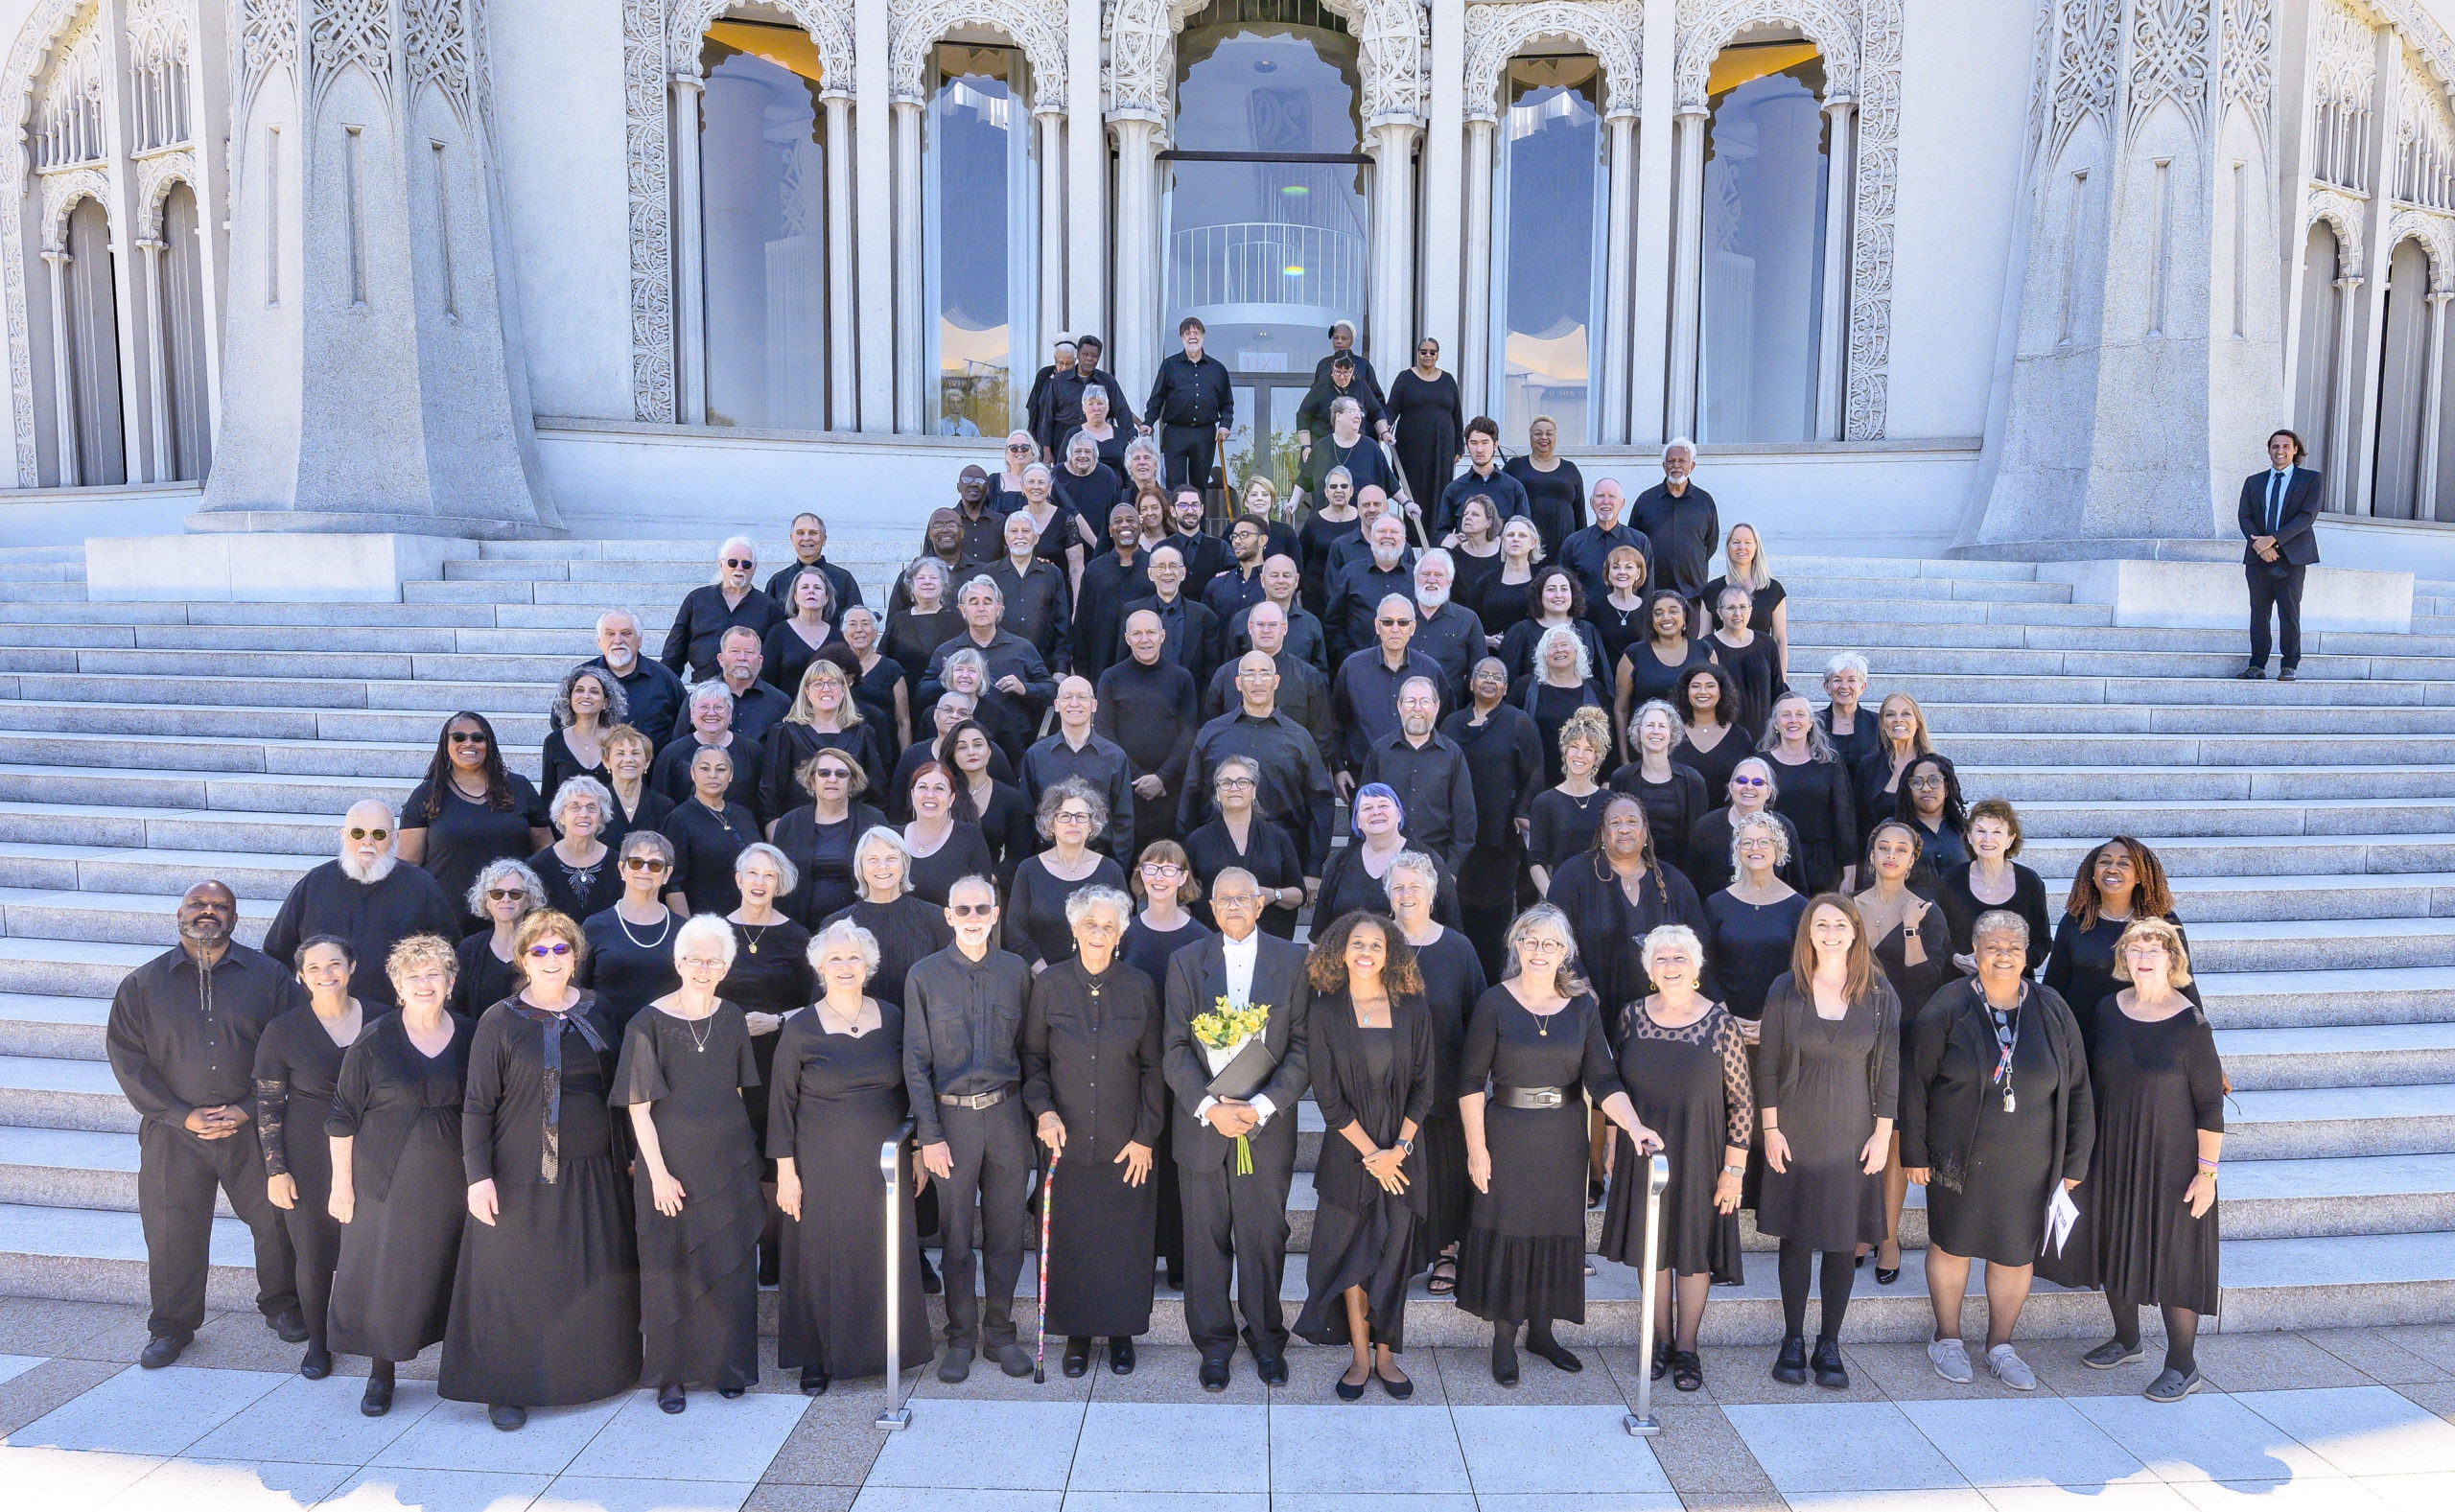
x: 154, y: 178
x: 2424, y: 138
x: 2345, y: 213
x: 342, y: 32
x: 1613, y: 30
x: 267, y: 39
x: 1036, y: 26
x: 2435, y: 234
x: 2169, y: 59
x: 2249, y: 81
x: 60, y: 193
x: 827, y: 22
x: 157, y: 61
x: 45, y: 24
x: 1142, y: 54
x: 2343, y: 67
x: 1865, y: 395
x: 72, y: 108
x: 644, y: 62
x: 1392, y: 40
x: 2085, y: 66
x: 435, y: 52
x: 1832, y: 28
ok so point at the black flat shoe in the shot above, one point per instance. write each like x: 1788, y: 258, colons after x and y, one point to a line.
x: 1830, y: 1373
x: 2289, y: 675
x: 1121, y: 1355
x: 1687, y: 1371
x: 1558, y: 1354
x: 291, y: 1324
x: 1213, y: 1375
x: 162, y: 1349
x: 669, y: 1399
x: 509, y: 1419
x: 377, y: 1399
x: 1354, y: 1391
x: 730, y: 1393
x: 2250, y: 674
x: 1790, y: 1366
x: 813, y: 1382
x: 1399, y: 1389
x: 1077, y: 1360
x: 1661, y: 1358
x: 1505, y: 1362
x: 317, y: 1364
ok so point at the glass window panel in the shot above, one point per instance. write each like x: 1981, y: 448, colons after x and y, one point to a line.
x: 1551, y: 205
x: 762, y: 183
x: 977, y: 130
x: 1764, y: 248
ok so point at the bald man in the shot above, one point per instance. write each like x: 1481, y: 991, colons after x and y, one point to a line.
x: 1076, y: 750
x: 1295, y: 786
x: 182, y: 1042
x: 368, y: 898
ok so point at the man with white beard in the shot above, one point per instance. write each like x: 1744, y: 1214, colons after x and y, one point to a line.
x: 1446, y: 630
x: 366, y: 897
x: 1361, y: 584
x: 654, y: 691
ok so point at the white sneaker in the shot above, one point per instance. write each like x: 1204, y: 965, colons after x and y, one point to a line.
x: 1951, y: 1358
x: 2010, y: 1368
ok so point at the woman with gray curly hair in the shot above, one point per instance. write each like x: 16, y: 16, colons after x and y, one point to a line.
x: 1070, y: 813
x: 587, y: 704
x: 579, y: 879
x: 505, y: 893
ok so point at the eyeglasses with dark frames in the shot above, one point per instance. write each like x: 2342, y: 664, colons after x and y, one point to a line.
x: 379, y: 835
x: 468, y: 737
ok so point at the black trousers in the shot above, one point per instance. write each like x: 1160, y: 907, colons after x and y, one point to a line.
x: 1237, y: 1226
x: 992, y: 1148
x: 1188, y: 452
x: 2284, y: 596
x: 177, y: 1174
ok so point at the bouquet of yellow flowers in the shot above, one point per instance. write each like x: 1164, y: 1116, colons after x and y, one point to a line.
x: 1240, y: 1062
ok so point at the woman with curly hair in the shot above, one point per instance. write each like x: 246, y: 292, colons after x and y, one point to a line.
x: 470, y: 809
x: 588, y: 707
x: 2118, y: 884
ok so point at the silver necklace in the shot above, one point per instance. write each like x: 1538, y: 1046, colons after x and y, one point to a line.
x: 699, y: 1040
x: 637, y: 943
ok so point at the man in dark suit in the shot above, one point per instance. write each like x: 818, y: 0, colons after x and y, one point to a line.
x: 2279, y: 516
x: 1236, y: 1221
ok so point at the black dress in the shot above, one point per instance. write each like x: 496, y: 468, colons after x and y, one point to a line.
x: 1364, y: 1236
x: 559, y: 766
x: 1710, y: 863
x: 1149, y: 951
x: 650, y: 814
x: 578, y: 891
x: 1672, y: 806
x: 1563, y: 825
x: 1347, y: 887
x: 1035, y: 926
x: 1817, y: 800
x: 297, y: 1067
x: 874, y: 692
x: 1610, y: 927
x: 788, y: 657
x: 2157, y: 1088
x: 1650, y: 678
x: 1429, y: 430
x: 400, y: 1109
x: 1914, y: 985
x: 1453, y: 984
x: 1829, y: 1079
x: 629, y: 965
x: 706, y: 844
x: 484, y: 978
x: 906, y: 930
x: 912, y: 637
x: 770, y: 974
x: 1091, y: 1055
x: 1524, y: 1256
x: 1750, y: 946
x: 1619, y: 630
x: 1314, y: 541
x: 1962, y: 909
x: 1555, y: 500
x: 545, y: 1308
x: 1506, y: 604
x: 790, y: 743
x: 1994, y: 1170
x: 1552, y: 707
x: 1269, y: 854
x: 1761, y: 602
x: 699, y: 1268
x: 1756, y: 671
x: 463, y: 834
x: 822, y: 853
x: 965, y: 853
x: 2080, y: 969
x: 1714, y: 766
x: 834, y: 1101
x: 1691, y: 1085
x: 1474, y: 579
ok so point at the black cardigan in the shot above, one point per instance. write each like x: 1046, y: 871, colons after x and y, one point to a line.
x: 1952, y: 1052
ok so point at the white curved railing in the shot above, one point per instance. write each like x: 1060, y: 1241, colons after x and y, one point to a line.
x: 1266, y: 263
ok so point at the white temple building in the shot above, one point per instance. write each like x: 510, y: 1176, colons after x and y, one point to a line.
x: 2018, y: 277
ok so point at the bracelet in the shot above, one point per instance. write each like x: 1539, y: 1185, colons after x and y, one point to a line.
x: 2205, y: 1164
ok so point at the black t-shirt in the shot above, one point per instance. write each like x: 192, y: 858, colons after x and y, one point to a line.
x: 463, y: 834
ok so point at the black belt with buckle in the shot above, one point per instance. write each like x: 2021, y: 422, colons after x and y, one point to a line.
x: 978, y: 1100
x: 1535, y: 1097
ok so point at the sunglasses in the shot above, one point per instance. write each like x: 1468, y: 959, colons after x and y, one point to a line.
x: 972, y: 909
x: 357, y: 833
x: 552, y: 948
x: 642, y: 863
x: 502, y: 894
x: 741, y: 562
x: 467, y: 737
x: 1747, y: 782
x: 1017, y: 447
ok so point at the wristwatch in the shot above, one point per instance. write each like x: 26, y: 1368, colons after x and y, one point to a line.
x: 1734, y: 1170
x: 1407, y: 1146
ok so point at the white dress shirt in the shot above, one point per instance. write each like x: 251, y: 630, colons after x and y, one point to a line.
x: 1240, y: 956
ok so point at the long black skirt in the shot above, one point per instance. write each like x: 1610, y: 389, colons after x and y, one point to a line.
x: 1374, y: 1249
x: 393, y: 1290
x: 1447, y: 1190
x: 831, y: 1311
x: 545, y: 1310
x: 1100, y: 1249
x: 1524, y: 1255
x: 699, y: 1285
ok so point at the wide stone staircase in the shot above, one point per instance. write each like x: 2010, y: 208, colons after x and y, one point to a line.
x: 2309, y: 827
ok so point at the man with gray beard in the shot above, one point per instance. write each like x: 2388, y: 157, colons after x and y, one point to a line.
x: 366, y: 897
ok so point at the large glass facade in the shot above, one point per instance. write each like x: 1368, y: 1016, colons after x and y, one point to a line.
x: 763, y: 187
x: 1548, y: 202
x: 1762, y: 300
x: 980, y: 193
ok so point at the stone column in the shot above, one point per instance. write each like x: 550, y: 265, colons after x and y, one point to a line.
x: 1024, y: 359
x: 873, y: 185
x: 2433, y: 418
x: 689, y: 255
x: 1393, y: 295
x: 1472, y: 366
x: 1833, y: 341
x: 1688, y: 263
x: 1444, y: 151
x: 1611, y: 392
x: 1649, y: 301
x: 1086, y: 184
x: 911, y: 320
x: 157, y: 381
x: 63, y: 382
x: 2350, y: 465
x: 843, y: 394
x: 1136, y: 350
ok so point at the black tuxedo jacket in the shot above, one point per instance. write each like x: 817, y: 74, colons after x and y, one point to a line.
x: 1197, y: 979
x: 2296, y: 539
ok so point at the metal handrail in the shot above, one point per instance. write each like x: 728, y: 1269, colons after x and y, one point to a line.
x: 1642, y: 1421
x: 896, y: 1413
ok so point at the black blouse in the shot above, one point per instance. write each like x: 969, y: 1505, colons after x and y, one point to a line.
x: 907, y: 930
x: 484, y: 978
x: 1269, y: 854
x: 1035, y: 918
x: 823, y: 854
x: 387, y: 1087
x: 463, y: 834
x: 535, y: 1103
x: 295, y: 1057
x: 771, y: 971
x: 1672, y: 807
x: 575, y: 890
x: 630, y: 965
x: 1563, y: 825
x: 1962, y: 907
x: 965, y: 853
x: 706, y: 844
x: 1508, y: 1046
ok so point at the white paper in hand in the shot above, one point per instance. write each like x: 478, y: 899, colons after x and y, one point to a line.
x: 2060, y: 1215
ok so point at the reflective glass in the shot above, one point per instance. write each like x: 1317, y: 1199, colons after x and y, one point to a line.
x: 763, y: 176
x: 1550, y: 203
x: 1762, y: 304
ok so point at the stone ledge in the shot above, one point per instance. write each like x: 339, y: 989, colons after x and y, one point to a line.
x: 305, y: 522
x: 2199, y: 594
x: 267, y: 567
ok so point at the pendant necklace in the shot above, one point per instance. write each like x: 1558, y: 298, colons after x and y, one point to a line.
x: 755, y: 938
x: 699, y: 1040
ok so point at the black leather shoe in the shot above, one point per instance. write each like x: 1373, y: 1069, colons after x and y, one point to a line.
x: 1271, y: 1368
x: 1078, y: 1356
x: 509, y: 1419
x: 1558, y: 1354
x: 1830, y: 1373
x: 1505, y: 1360
x: 1015, y: 1359
x: 163, y: 1349
x: 1353, y: 1392
x: 1661, y: 1358
x: 1121, y: 1355
x: 1399, y: 1389
x: 730, y: 1393
x: 1214, y: 1375
x: 956, y: 1367
x: 1886, y: 1278
x: 317, y: 1364
x: 814, y: 1381
x: 1790, y: 1366
x: 2250, y: 674
x: 2289, y: 675
x: 669, y: 1399
x: 377, y: 1400
x: 1686, y: 1370
x: 291, y: 1324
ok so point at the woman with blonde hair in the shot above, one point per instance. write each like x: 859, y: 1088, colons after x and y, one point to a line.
x: 1564, y: 817
x: 808, y: 628
x: 504, y: 892
x: 817, y: 836
x: 636, y: 806
x: 1901, y: 738
x: 1745, y: 566
x: 824, y: 713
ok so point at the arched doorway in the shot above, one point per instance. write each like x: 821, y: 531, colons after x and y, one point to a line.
x: 1547, y: 199
x: 1761, y: 297
x: 188, y: 422
x: 89, y: 349
x: 2401, y: 487
x: 1268, y: 215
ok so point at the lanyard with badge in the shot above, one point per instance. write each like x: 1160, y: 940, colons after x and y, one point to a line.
x: 2007, y: 1044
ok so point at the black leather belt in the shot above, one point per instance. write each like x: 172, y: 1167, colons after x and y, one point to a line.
x: 979, y: 1100
x: 1536, y: 1097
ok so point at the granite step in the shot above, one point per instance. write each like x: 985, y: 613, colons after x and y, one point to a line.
x: 1951, y: 723
x: 2352, y: 1056
x: 437, y: 666
x: 238, y: 721
x: 1817, y: 609
x: 53, y: 915
x: 68, y: 969
x: 1872, y: 631
x: 2268, y: 899
x: 2282, y: 784
x: 2209, y: 820
x: 1857, y: 585
x: 2322, y: 944
x: 53, y: 1028
x: 1891, y: 661
x: 2255, y: 855
x: 271, y: 756
x: 139, y: 828
x: 2079, y: 686
x: 285, y: 794
x: 311, y: 692
x: 2318, y: 999
x: 163, y: 873
x: 2271, y: 747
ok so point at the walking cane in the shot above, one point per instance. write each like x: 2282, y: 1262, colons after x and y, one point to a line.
x: 1642, y: 1423
x: 1047, y: 1202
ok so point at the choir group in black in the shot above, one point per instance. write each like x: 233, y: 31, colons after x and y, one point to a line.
x: 1022, y: 863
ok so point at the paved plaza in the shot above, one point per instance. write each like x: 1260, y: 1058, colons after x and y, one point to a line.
x: 2346, y: 1419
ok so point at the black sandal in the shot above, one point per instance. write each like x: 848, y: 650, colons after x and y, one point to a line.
x: 1439, y: 1284
x: 1687, y: 1371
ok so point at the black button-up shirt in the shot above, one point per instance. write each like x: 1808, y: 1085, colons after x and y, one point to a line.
x: 1364, y: 700
x: 963, y: 1030
x: 1098, y: 761
x: 700, y: 623
x: 1685, y: 530
x: 653, y: 696
x: 1435, y: 791
x: 1587, y: 552
x: 843, y: 590
x: 181, y: 1037
x: 1190, y: 393
x: 1294, y: 788
x: 1453, y: 636
x: 1507, y: 494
